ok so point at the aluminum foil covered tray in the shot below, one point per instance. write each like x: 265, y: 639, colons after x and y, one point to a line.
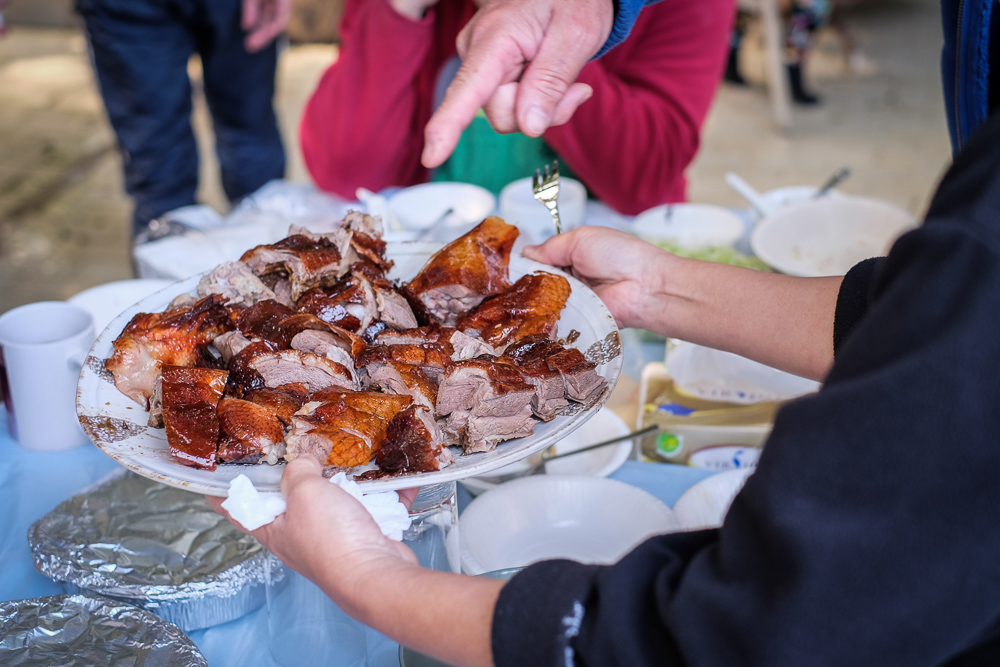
x: 156, y: 547
x: 85, y: 630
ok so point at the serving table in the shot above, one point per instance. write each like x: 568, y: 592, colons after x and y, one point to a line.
x: 32, y: 483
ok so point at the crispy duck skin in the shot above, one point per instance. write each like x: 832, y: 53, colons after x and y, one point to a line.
x: 293, y: 366
x: 412, y: 443
x: 394, y: 377
x: 308, y: 260
x: 329, y: 309
x: 532, y: 305
x: 281, y: 402
x: 249, y: 432
x: 262, y: 321
x: 243, y: 377
x: 466, y: 271
x: 178, y: 337
x: 432, y: 358
x: 385, y: 406
x: 190, y: 400
x: 336, y: 433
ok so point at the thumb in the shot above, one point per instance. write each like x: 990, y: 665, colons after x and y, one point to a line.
x: 250, y: 14
x: 298, y: 471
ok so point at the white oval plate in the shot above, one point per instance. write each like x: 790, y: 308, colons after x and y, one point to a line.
x: 587, y: 519
x: 117, y: 424
x: 599, y: 463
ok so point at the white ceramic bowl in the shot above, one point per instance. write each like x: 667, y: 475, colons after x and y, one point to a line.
x: 519, y: 207
x: 421, y: 206
x: 826, y: 237
x: 705, y: 504
x: 600, y: 463
x: 690, y: 226
x: 588, y: 519
x: 792, y: 194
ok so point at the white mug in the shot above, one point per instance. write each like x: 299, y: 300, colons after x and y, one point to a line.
x: 42, y: 349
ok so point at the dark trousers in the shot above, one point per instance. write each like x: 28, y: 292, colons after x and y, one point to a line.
x: 140, y: 51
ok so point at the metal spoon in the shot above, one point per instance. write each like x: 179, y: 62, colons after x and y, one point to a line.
x: 837, y: 177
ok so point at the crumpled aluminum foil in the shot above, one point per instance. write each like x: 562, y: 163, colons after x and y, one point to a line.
x: 84, y: 630
x: 157, y: 547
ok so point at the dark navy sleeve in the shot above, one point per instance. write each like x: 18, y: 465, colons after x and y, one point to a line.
x: 868, y: 534
x: 626, y: 13
x: 853, y: 299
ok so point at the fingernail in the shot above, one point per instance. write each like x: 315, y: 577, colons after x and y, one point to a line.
x: 536, y: 122
x: 427, y: 154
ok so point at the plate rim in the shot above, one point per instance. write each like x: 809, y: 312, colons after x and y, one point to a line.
x: 95, y: 359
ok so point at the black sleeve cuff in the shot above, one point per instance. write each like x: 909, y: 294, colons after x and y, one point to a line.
x: 853, y: 298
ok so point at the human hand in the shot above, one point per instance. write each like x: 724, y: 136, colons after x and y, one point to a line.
x: 325, y: 534
x: 413, y: 9
x: 624, y: 271
x: 263, y: 20
x: 520, y: 59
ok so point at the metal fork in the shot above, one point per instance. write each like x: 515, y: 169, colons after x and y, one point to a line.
x: 545, y: 186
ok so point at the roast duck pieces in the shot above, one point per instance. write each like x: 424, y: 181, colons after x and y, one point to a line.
x: 305, y: 348
x: 466, y: 271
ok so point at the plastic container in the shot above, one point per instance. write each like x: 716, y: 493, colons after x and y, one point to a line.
x: 702, y: 433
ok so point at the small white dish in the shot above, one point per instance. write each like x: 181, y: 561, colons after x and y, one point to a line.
x: 422, y: 206
x: 689, y: 226
x: 587, y: 519
x: 600, y: 462
x: 705, y: 504
x: 105, y: 302
x: 826, y: 237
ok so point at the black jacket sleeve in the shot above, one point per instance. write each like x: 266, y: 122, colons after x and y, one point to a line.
x: 868, y: 534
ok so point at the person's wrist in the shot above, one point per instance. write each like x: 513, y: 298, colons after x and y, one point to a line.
x: 357, y: 593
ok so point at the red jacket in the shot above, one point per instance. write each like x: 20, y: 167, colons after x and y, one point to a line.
x: 630, y: 143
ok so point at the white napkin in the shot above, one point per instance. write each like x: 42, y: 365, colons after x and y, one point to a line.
x: 253, y: 509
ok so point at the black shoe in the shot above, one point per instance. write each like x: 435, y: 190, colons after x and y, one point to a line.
x: 799, y: 94
x: 732, y: 74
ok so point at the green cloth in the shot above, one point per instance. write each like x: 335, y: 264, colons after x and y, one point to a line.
x: 492, y: 160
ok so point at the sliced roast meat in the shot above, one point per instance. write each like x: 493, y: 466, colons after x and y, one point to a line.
x: 532, y: 305
x: 294, y: 366
x: 190, y: 400
x: 330, y: 445
x: 176, y: 337
x: 394, y: 377
x: 432, y: 358
x: 432, y: 333
x: 466, y: 271
x: 492, y: 401
x: 413, y: 443
x: 530, y: 356
x: 465, y: 346
x: 366, y: 224
x: 230, y: 344
x: 325, y: 344
x: 243, y: 377
x: 249, y: 433
x: 393, y: 309
x: 328, y: 309
x: 262, y: 321
x: 385, y: 406
x: 236, y: 283
x: 582, y: 381
x: 282, y: 402
x: 307, y: 261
